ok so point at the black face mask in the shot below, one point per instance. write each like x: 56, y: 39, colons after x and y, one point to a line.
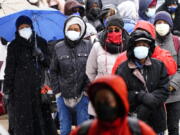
x: 106, y: 112
x: 94, y: 13
x: 55, y: 7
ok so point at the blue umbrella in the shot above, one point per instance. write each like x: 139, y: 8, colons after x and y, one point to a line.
x: 47, y: 24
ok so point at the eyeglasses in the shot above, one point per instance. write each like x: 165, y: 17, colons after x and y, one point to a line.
x: 114, y: 30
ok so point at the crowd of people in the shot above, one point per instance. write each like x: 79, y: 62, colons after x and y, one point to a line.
x: 116, y: 72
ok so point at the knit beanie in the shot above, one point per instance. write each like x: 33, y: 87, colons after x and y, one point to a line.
x: 163, y: 15
x: 23, y: 20
x: 115, y: 20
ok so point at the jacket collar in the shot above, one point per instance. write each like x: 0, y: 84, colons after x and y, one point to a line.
x: 131, y: 64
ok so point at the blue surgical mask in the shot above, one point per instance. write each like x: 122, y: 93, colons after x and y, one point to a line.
x: 172, y: 8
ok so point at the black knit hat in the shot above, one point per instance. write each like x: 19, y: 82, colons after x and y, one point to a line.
x: 163, y: 15
x: 115, y: 20
x: 169, y: 2
x: 23, y: 20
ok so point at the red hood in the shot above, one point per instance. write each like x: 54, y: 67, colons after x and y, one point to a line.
x: 147, y: 27
x: 117, y: 84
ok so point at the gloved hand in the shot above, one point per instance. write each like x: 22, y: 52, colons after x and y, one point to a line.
x: 38, y: 53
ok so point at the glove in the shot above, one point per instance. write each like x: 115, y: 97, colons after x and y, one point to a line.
x: 38, y: 53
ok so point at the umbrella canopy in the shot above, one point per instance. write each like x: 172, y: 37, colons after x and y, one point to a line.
x: 47, y: 24
x: 11, y: 6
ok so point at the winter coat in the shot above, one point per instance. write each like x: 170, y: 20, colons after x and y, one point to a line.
x: 68, y: 69
x: 24, y: 76
x: 69, y: 63
x: 168, y: 44
x: 120, y: 125
x: 143, y: 6
x: 153, y: 91
x: 100, y: 62
x: 176, y: 20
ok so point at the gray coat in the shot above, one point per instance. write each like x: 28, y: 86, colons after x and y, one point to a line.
x: 168, y: 44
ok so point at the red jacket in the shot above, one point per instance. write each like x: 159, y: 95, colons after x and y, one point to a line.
x: 160, y: 54
x: 119, y: 126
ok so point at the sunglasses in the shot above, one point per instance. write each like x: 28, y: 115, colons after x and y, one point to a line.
x: 114, y: 30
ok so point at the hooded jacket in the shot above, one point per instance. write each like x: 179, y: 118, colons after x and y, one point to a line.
x: 68, y: 65
x: 128, y: 14
x: 143, y: 6
x: 176, y: 20
x: 158, y: 53
x: 120, y: 125
x: 102, y: 56
x: 147, y: 87
x: 70, y: 5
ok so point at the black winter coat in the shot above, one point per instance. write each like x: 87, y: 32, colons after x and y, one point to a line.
x: 68, y: 68
x: 149, y: 106
x: 24, y: 75
x: 176, y: 20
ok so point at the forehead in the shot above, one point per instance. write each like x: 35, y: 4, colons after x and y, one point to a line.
x: 23, y: 26
x: 74, y: 26
x: 114, y: 27
x: 142, y: 43
x: 160, y: 21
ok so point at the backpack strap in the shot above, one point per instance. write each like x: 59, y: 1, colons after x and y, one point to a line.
x: 84, y: 128
x: 134, y: 126
x: 176, y: 41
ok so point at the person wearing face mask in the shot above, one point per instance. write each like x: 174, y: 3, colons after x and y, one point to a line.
x: 147, y: 81
x: 73, y: 7
x: 147, y: 9
x: 93, y: 10
x: 103, y: 54
x: 108, y: 95
x: 166, y: 40
x: 68, y: 78
x: 27, y: 57
x: 173, y: 8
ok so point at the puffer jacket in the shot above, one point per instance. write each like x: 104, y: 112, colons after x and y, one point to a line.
x: 100, y: 62
x: 68, y: 65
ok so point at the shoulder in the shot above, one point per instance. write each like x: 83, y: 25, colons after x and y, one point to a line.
x: 145, y: 129
x: 60, y: 44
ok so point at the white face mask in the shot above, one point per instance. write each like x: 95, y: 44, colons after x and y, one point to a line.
x: 162, y: 29
x: 33, y: 1
x: 151, y: 12
x: 141, y: 52
x: 25, y: 33
x: 73, y: 35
